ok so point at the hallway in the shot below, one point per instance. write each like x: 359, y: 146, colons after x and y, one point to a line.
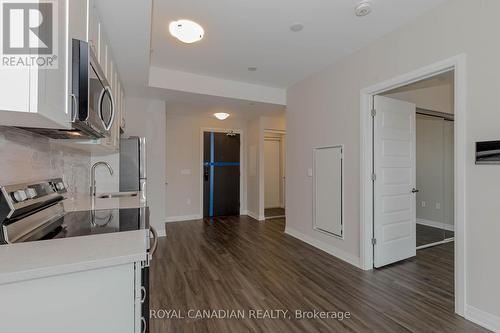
x: 236, y: 263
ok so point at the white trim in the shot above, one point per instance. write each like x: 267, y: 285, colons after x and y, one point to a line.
x: 275, y: 217
x: 483, y: 318
x: 435, y: 224
x: 255, y: 216
x: 458, y: 65
x: 162, y: 232
x: 448, y: 240
x: 182, y: 218
x: 328, y: 248
x: 342, y: 182
x: 242, y: 162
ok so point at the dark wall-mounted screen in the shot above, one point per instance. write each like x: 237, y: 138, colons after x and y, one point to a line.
x: 488, y: 152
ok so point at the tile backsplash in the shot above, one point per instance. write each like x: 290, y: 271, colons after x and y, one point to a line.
x: 25, y: 156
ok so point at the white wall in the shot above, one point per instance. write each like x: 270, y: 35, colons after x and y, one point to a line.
x: 324, y: 110
x: 183, y: 165
x: 147, y: 118
x: 27, y: 157
x: 255, y: 190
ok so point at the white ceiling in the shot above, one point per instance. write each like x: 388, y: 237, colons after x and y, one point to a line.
x: 244, y: 33
x: 239, y: 34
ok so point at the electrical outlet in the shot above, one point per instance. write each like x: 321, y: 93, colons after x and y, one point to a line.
x: 438, y: 205
x: 424, y: 203
x: 309, y: 172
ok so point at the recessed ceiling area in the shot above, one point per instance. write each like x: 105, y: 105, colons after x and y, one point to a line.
x: 249, y: 51
x: 243, y: 34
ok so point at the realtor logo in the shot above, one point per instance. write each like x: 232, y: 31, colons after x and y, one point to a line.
x: 29, y: 33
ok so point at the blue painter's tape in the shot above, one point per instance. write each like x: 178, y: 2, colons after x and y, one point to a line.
x: 222, y: 164
x: 212, y: 158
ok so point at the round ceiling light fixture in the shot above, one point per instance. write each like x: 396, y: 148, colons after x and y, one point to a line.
x: 363, y: 9
x: 186, y: 31
x: 221, y: 115
x: 296, y: 27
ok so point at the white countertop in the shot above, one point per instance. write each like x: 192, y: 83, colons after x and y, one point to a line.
x: 79, y: 202
x: 32, y: 260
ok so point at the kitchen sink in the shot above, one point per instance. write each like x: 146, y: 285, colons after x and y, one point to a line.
x: 117, y: 195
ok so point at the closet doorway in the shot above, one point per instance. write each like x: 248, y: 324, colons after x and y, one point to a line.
x: 274, y: 174
x: 434, y: 157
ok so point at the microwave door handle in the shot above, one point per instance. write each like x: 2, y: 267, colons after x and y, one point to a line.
x: 75, y: 107
x: 108, y: 90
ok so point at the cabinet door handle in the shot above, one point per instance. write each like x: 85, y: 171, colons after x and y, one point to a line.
x: 143, y: 322
x: 414, y: 190
x: 143, y: 294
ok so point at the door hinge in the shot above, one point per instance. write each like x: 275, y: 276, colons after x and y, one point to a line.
x: 374, y: 177
x: 374, y: 112
x: 374, y: 241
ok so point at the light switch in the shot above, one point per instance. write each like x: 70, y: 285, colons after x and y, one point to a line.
x: 438, y: 205
x: 309, y: 172
x: 423, y: 203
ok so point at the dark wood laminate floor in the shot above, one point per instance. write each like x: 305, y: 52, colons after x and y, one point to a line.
x: 274, y: 212
x: 239, y: 263
x: 428, y: 235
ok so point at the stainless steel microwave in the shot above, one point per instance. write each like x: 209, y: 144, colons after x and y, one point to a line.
x: 92, y: 103
x: 93, y: 107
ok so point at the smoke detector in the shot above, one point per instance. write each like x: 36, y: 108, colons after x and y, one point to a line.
x: 363, y: 8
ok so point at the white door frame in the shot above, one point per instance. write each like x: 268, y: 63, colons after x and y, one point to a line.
x: 458, y: 65
x: 242, y: 163
x: 280, y: 178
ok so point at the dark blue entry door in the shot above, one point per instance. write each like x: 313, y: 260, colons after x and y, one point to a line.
x: 221, y: 172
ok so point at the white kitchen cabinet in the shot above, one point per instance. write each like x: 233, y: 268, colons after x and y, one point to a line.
x: 93, y: 28
x: 104, y: 50
x: 99, y: 300
x: 39, y: 97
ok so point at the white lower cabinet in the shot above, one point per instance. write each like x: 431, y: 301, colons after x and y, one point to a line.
x: 103, y: 300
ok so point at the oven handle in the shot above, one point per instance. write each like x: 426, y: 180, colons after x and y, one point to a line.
x: 101, y: 97
x: 152, y: 250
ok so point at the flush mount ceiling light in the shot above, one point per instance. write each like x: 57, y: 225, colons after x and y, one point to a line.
x: 221, y: 115
x: 186, y: 31
x: 296, y: 27
x: 363, y: 8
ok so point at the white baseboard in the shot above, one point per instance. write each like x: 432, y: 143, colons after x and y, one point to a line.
x: 161, y: 232
x: 328, y: 248
x: 435, y: 224
x: 255, y: 216
x: 482, y: 318
x: 183, y: 218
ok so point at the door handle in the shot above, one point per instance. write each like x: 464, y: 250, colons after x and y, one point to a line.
x: 414, y: 190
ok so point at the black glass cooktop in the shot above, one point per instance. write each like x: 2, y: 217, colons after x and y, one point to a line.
x: 85, y: 223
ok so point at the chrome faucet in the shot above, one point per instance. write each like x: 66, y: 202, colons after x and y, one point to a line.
x: 92, y: 176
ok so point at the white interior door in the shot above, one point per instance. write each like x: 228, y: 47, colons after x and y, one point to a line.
x: 395, y: 178
x: 272, y: 173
